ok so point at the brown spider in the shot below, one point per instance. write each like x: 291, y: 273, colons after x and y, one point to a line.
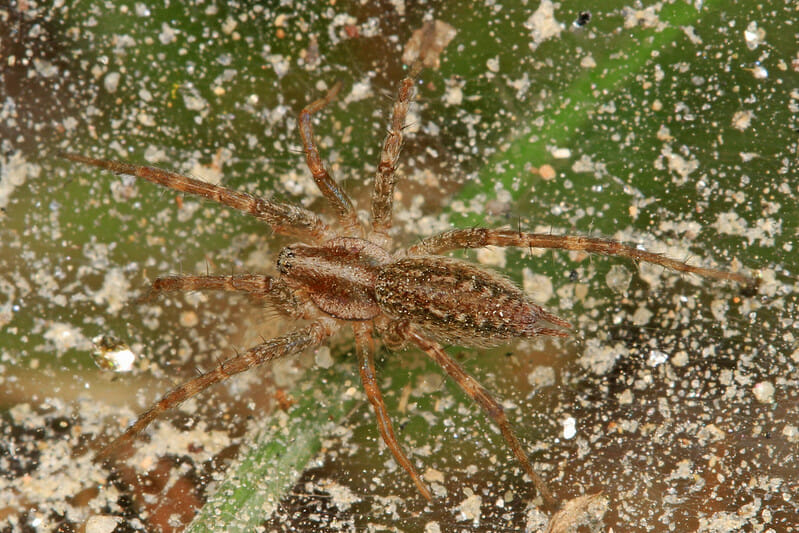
x: 350, y: 274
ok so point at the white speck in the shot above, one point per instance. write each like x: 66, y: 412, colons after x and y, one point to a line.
x: 542, y: 24
x: 322, y: 357
x: 680, y: 359
x: 542, y: 376
x: 791, y: 433
x: 188, y: 319
x: 66, y: 336
x: 44, y: 68
x: 754, y: 36
x: 588, y: 61
x: 111, y: 82
x: 561, y: 153
x: 492, y: 255
x: 432, y: 527
x: 360, y: 90
x: 741, y: 120
x: 194, y: 103
x: 759, y: 73
x: 537, y: 286
x: 493, y: 64
x: 470, y: 509
x: 618, y: 278
x: 569, y: 428
x: 14, y: 170
x: 114, y: 292
x: 102, y: 524
x: 626, y: 397
x: 764, y: 392
x: 168, y: 34
x: 453, y: 95
x: 656, y: 358
x: 229, y: 25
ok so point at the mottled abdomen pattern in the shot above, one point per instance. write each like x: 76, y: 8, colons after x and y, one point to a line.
x: 457, y: 302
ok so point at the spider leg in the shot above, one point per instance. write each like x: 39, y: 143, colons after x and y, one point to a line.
x: 479, y: 237
x: 290, y: 344
x: 383, y: 194
x: 331, y: 190
x: 249, y: 283
x: 285, y: 219
x: 479, y: 394
x: 365, y: 346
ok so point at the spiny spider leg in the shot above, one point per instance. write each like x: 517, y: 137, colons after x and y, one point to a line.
x: 293, y: 343
x: 285, y: 219
x: 479, y: 237
x: 365, y: 347
x: 480, y: 395
x: 249, y: 283
x: 383, y: 193
x: 327, y: 185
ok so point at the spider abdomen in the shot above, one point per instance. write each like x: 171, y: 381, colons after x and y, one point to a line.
x: 458, y: 302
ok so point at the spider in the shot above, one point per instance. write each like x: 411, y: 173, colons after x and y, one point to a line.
x: 351, y: 274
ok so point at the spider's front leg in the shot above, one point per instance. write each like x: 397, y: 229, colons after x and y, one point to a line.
x: 285, y: 219
x: 479, y: 237
x: 383, y: 194
x: 331, y: 190
x: 257, y: 284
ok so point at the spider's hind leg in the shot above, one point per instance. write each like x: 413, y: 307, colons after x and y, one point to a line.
x: 290, y: 344
x: 366, y: 365
x: 480, y: 395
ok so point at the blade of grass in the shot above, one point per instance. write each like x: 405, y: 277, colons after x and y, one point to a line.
x: 276, y: 455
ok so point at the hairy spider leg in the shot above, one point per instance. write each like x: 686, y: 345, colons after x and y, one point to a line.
x: 331, y: 190
x: 293, y: 343
x: 250, y: 283
x: 383, y: 193
x: 479, y: 237
x: 365, y: 347
x: 479, y: 394
x: 285, y: 219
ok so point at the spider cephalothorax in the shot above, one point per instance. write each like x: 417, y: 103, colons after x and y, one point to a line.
x: 350, y: 274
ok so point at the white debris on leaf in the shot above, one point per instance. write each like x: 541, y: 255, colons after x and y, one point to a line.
x: 754, y: 36
x: 643, y: 18
x: 469, y: 509
x: 569, y: 427
x: 322, y: 357
x: 764, y: 391
x: 492, y: 255
x: 14, y: 170
x: 542, y: 24
x: 741, y: 120
x: 66, y: 336
x: 111, y: 82
x: 114, y: 292
x: 541, y: 376
x: 340, y: 496
x: 600, y: 357
x: 428, y: 42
